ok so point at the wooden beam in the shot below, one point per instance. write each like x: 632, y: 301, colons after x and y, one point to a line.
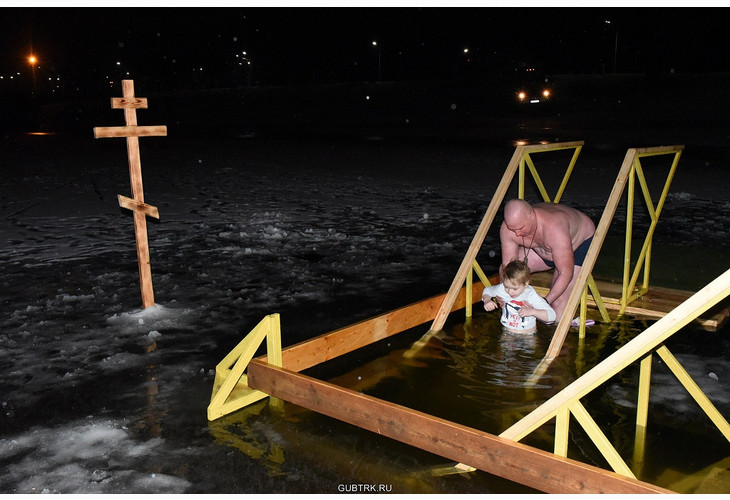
x: 516, y: 462
x: 328, y: 346
x: 563, y: 326
x: 138, y: 206
x: 131, y: 131
x: 129, y: 102
x: 477, y: 240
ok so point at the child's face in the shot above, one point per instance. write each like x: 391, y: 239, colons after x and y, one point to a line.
x: 514, y: 288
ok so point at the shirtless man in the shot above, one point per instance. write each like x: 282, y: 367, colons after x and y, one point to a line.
x: 547, y: 236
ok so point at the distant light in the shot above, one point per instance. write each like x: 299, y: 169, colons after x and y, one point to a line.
x: 32, y: 59
x: 119, y: 63
x: 466, y: 51
x: 375, y: 43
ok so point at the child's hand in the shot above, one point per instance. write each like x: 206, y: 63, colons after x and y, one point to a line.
x: 527, y: 310
x: 489, y: 304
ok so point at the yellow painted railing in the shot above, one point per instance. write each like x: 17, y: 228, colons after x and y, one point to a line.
x: 521, y: 163
x: 630, y: 168
x: 230, y: 388
x: 629, y: 293
x: 567, y: 402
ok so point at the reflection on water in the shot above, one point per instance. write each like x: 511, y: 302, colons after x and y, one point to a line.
x: 476, y: 374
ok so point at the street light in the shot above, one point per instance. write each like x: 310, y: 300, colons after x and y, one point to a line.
x: 32, y: 60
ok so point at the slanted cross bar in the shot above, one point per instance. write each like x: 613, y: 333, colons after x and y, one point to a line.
x: 129, y: 103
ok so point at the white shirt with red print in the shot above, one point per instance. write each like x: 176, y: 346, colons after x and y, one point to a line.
x: 511, y: 311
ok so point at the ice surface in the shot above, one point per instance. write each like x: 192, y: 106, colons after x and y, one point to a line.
x: 101, y: 396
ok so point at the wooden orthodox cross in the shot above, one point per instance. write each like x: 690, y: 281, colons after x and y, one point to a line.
x: 129, y: 103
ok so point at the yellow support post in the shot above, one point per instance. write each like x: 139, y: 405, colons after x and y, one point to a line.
x: 230, y: 388
x: 562, y: 425
x: 469, y: 280
x: 521, y: 178
x: 642, y: 412
x: 583, y: 313
x: 629, y: 235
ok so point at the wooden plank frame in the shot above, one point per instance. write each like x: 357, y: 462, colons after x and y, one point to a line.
x: 514, y: 461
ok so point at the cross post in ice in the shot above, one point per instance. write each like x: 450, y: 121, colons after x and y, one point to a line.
x: 129, y: 103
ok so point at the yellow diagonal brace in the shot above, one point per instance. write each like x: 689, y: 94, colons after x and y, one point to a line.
x: 536, y: 177
x: 482, y: 276
x: 694, y: 391
x: 598, y: 299
x: 600, y: 440
x: 566, y: 176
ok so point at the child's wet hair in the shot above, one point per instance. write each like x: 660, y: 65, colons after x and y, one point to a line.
x: 517, y: 272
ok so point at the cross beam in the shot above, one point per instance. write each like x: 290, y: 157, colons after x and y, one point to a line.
x: 129, y: 103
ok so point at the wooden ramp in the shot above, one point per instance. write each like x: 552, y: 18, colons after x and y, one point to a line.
x: 656, y: 303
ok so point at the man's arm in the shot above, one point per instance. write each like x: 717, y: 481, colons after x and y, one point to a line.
x: 562, y: 253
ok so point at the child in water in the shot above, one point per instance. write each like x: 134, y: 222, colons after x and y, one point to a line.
x: 522, y: 304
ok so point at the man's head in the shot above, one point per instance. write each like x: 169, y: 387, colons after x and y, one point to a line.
x: 519, y: 217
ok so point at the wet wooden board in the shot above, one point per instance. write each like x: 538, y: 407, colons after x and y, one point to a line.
x: 514, y: 461
x: 328, y: 346
x: 655, y: 304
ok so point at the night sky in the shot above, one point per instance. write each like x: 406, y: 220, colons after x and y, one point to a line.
x: 82, y: 48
